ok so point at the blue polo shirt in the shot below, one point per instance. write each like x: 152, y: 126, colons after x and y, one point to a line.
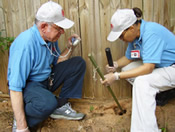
x: 156, y: 45
x: 30, y: 59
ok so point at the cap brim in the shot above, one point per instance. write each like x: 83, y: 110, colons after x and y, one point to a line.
x: 65, y: 23
x: 114, y: 36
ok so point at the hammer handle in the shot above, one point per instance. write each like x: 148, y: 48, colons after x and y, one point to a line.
x: 109, y: 57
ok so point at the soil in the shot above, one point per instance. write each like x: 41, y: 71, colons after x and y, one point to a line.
x: 101, y: 116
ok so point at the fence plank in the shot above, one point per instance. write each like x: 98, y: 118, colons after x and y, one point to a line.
x: 22, y: 16
x: 126, y: 3
x: 2, y: 22
x: 15, y: 17
x: 29, y: 12
x: 87, y: 35
x: 166, y: 14
x: 43, y: 1
x: 105, y: 18
x: 172, y: 15
x: 71, y: 8
x: 36, y: 5
x: 3, y: 58
x: 3, y: 72
x: 64, y: 38
x: 158, y: 11
x: 8, y: 17
x: 148, y: 10
x: 137, y: 3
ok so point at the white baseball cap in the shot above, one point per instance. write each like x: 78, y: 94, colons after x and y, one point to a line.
x: 121, y: 20
x: 53, y: 12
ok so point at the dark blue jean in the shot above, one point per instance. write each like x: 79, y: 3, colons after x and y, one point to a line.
x: 39, y: 100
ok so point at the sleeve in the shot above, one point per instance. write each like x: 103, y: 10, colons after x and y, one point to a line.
x: 152, y: 49
x: 18, y: 69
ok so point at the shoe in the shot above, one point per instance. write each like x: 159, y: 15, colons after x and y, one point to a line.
x: 14, y: 127
x: 162, y: 98
x: 66, y: 112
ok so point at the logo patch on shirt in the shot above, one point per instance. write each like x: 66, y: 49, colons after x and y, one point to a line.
x: 135, y: 53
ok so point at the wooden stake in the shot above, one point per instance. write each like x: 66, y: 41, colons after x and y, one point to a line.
x: 109, y: 88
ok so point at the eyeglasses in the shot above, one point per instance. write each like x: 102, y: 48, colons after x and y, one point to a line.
x: 123, y: 34
x: 59, y: 29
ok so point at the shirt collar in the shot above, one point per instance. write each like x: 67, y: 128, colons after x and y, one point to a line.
x: 141, y: 29
x: 38, y: 36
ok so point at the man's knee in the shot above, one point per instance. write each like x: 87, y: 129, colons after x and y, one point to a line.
x: 81, y: 62
x: 41, y: 107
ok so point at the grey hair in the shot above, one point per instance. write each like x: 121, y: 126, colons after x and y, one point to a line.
x: 38, y: 22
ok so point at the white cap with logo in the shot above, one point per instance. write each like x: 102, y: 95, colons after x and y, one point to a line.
x: 53, y: 12
x: 121, y: 20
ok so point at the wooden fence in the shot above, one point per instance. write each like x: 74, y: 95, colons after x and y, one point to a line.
x: 92, y: 23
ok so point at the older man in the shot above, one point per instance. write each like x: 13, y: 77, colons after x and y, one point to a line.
x: 37, y: 68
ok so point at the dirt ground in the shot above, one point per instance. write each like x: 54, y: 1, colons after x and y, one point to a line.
x: 101, y: 116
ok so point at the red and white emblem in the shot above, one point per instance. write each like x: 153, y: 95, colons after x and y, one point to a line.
x: 112, y: 26
x: 63, y: 13
x: 135, y: 53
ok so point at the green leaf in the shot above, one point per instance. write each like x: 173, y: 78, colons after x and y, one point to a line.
x: 5, y: 42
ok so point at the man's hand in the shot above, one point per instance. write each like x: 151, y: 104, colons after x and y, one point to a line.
x: 110, y: 78
x: 67, y: 52
x: 70, y: 45
x: 111, y: 69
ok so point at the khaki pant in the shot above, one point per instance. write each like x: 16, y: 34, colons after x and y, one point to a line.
x: 145, y: 88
